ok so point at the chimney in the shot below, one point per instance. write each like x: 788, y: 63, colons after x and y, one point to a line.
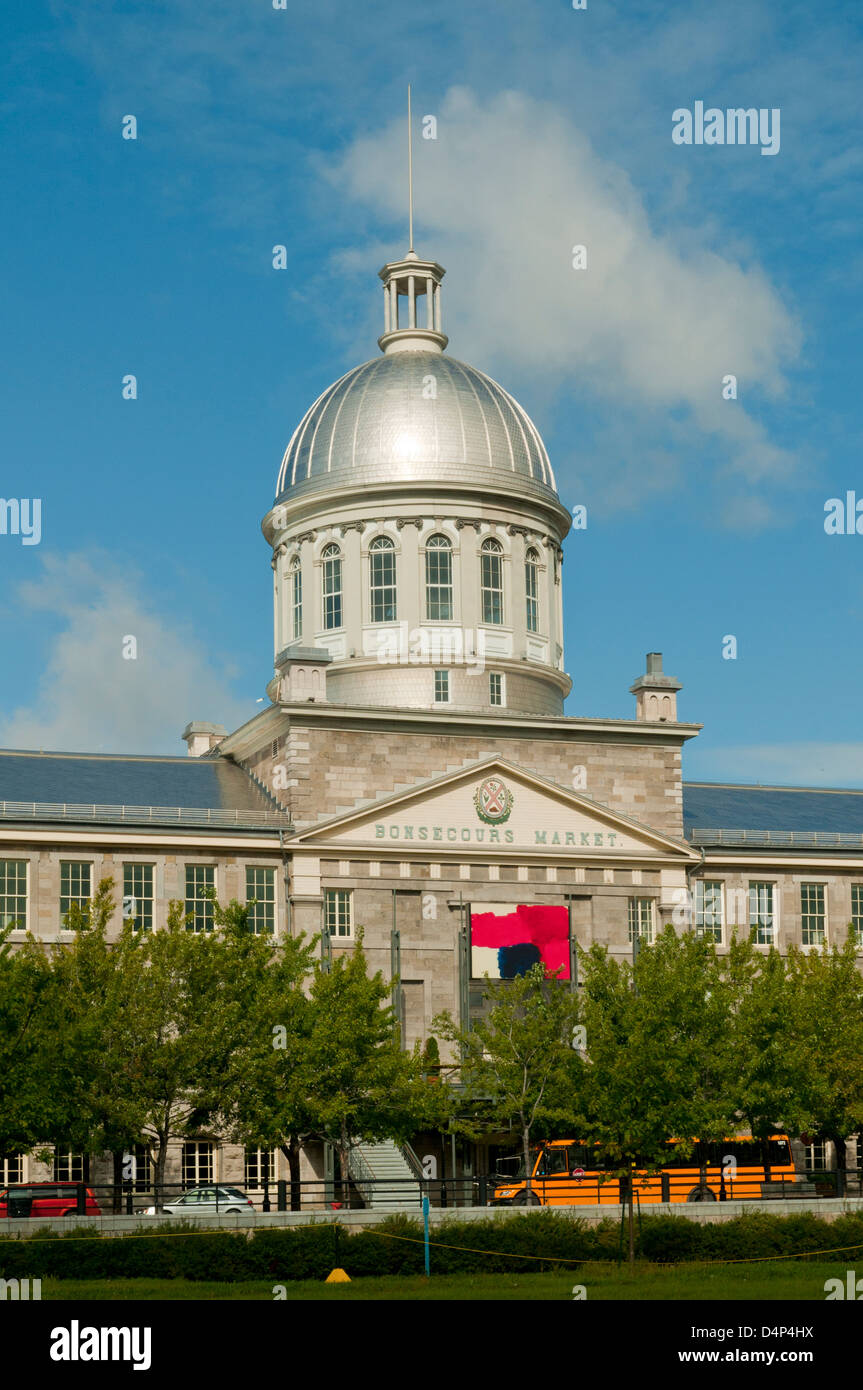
x: 203, y: 738
x: 655, y: 693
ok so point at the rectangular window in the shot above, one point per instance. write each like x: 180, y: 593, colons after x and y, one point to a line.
x: 495, y: 688
x: 708, y: 909
x: 857, y: 911
x: 197, y: 1163
x: 439, y: 602
x: 339, y: 911
x: 297, y: 599
x: 69, y: 1167
x: 75, y: 885
x: 261, y: 885
x: 200, y: 878
x: 761, y: 913
x: 441, y: 687
x: 260, y: 1168
x: 640, y: 919
x: 138, y: 896
x: 813, y: 917
x: 13, y: 893
x: 11, y: 1169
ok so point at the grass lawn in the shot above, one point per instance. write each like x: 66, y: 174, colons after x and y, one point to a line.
x: 792, y: 1280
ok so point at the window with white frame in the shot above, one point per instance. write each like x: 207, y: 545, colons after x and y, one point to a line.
x: 200, y: 881
x: 495, y: 688
x: 11, y: 1169
x: 13, y: 893
x: 641, y: 919
x: 441, y: 687
x: 813, y: 914
x: 817, y: 1156
x: 296, y: 578
x: 531, y: 589
x: 332, y: 586
x: 857, y: 911
x: 708, y: 908
x: 69, y: 1167
x: 491, y: 581
x: 260, y: 1168
x: 138, y: 1165
x: 138, y: 896
x: 339, y: 911
x: 197, y: 1162
x: 76, y: 879
x: 761, y: 920
x: 382, y: 580
x: 261, y: 885
x: 439, y: 601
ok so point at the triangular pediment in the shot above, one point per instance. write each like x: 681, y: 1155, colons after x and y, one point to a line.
x: 493, y: 806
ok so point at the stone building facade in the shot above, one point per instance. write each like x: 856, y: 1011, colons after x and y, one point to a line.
x: 414, y: 769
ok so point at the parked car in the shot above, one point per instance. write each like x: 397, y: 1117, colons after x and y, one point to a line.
x: 205, y: 1201
x: 45, y: 1199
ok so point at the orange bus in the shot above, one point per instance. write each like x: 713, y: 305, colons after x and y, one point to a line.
x: 565, y: 1173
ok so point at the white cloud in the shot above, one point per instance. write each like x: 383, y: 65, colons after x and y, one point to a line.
x: 654, y: 324
x: 89, y: 698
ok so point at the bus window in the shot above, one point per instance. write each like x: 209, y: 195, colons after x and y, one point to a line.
x: 555, y: 1163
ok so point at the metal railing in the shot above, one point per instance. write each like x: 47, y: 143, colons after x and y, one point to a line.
x: 141, y: 815
x: 363, y: 1191
x: 361, y: 1175
x: 779, y: 838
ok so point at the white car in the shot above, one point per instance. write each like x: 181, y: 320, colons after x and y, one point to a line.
x: 205, y: 1201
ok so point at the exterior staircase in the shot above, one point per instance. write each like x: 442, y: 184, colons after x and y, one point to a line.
x: 384, y: 1178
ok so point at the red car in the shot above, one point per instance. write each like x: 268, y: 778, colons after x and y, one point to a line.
x: 44, y: 1199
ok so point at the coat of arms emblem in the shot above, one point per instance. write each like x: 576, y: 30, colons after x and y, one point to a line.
x: 493, y: 801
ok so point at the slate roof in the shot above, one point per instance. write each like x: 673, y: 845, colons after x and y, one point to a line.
x: 105, y: 788
x: 771, y: 815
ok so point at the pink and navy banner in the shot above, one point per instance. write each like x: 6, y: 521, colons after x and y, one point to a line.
x: 508, y: 938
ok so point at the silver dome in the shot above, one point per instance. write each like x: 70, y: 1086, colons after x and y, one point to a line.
x: 379, y: 424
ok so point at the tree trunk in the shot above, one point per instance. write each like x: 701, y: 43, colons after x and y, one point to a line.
x: 159, y: 1170
x: 525, y: 1144
x: 631, y: 1202
x: 117, y: 1195
x: 841, y: 1149
x: 291, y: 1150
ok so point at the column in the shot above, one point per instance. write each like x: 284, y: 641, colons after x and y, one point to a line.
x: 429, y: 302
x: 437, y: 316
x: 412, y: 302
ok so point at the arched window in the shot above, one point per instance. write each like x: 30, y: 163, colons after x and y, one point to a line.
x: 531, y: 588
x: 382, y: 580
x: 332, y: 586
x: 297, y: 597
x: 492, y: 581
x: 438, y: 579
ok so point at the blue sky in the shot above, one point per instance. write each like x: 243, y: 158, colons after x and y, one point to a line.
x: 257, y: 127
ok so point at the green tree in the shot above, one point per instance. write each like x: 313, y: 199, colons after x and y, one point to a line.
x: 31, y: 1103
x: 357, y: 1081
x: 95, y: 981
x: 824, y: 1034
x: 518, y: 1062
x: 262, y: 1098
x: 765, y: 1076
x: 658, y: 1039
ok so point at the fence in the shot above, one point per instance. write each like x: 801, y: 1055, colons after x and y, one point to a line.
x: 398, y: 1194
